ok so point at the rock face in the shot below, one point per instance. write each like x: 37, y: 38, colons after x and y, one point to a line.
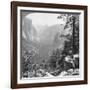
x: 29, y: 35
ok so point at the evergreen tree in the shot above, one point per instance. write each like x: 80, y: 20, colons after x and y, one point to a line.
x: 72, y: 23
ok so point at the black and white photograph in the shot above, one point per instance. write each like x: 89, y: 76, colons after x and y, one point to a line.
x: 49, y: 44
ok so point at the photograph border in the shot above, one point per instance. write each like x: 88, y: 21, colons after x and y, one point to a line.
x: 14, y: 5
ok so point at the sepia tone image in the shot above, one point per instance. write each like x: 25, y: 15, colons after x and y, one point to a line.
x: 49, y: 44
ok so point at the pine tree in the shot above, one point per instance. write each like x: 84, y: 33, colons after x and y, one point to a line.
x: 72, y: 22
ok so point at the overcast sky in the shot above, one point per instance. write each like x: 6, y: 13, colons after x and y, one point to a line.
x: 45, y: 19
